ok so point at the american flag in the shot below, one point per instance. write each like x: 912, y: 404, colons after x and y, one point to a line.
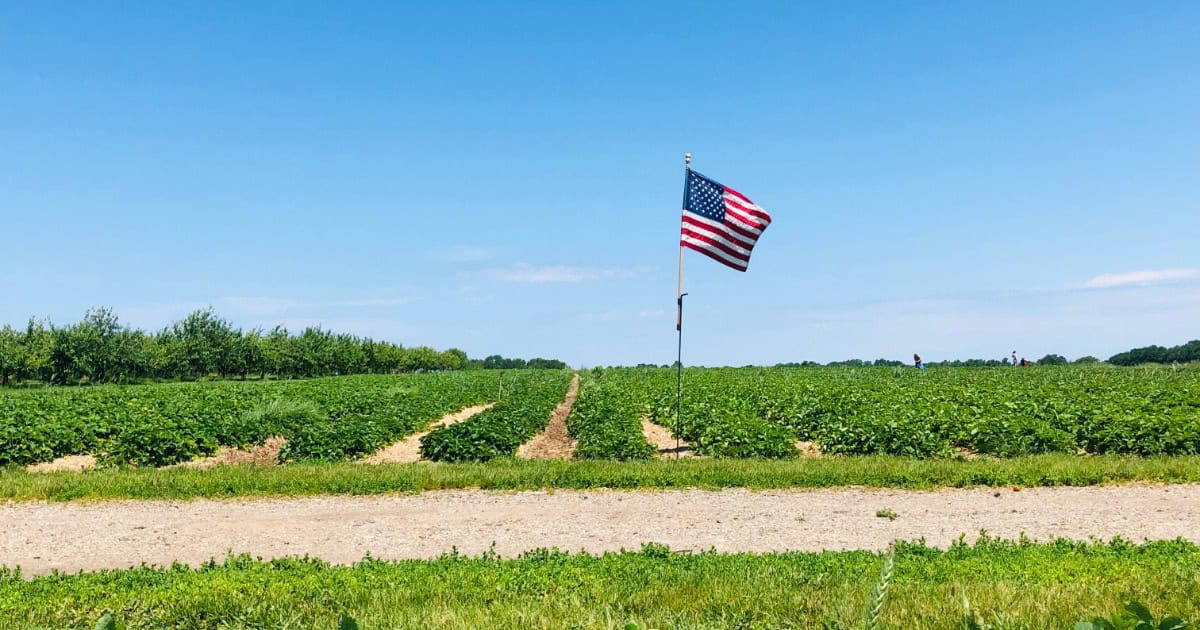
x: 720, y: 222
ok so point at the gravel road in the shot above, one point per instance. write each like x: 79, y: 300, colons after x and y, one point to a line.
x: 40, y: 537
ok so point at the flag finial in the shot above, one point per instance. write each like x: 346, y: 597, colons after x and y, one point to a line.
x: 687, y: 159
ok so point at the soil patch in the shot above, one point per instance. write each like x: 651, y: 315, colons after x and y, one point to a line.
x: 555, y: 442
x: 809, y: 450
x: 265, y: 454
x: 408, y: 450
x: 70, y: 537
x: 663, y: 440
x: 71, y: 463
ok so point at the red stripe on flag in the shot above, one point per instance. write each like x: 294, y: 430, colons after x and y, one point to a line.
x: 747, y: 208
x: 731, y: 211
x: 733, y: 233
x: 712, y: 242
x: 711, y: 255
x: 723, y: 236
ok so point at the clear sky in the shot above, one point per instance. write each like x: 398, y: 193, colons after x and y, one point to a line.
x: 955, y: 179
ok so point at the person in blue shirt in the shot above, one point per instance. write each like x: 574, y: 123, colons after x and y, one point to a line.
x: 917, y: 363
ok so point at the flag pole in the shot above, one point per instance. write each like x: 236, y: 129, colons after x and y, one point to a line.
x: 687, y: 167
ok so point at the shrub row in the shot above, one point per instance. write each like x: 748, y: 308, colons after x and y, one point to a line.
x: 1002, y: 412
x: 499, y: 431
x: 607, y: 422
x: 154, y: 425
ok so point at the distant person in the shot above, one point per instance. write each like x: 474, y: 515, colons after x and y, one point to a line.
x: 1014, y: 358
x: 917, y: 362
x: 1024, y: 362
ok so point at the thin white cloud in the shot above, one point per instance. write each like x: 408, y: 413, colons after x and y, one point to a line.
x: 375, y: 327
x: 378, y: 302
x: 617, y: 316
x: 260, y: 305
x: 265, y: 306
x: 533, y: 274
x: 1141, y: 278
x: 155, y: 316
x: 463, y: 253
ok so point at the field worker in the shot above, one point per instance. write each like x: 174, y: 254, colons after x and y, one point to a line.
x: 1014, y: 358
x: 917, y: 362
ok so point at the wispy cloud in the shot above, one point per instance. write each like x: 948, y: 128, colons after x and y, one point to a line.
x: 378, y: 302
x: 535, y: 274
x: 463, y: 253
x: 649, y: 313
x: 1141, y: 278
x: 260, y: 305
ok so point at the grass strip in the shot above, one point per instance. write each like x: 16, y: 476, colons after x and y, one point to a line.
x: 511, y: 474
x: 1011, y: 584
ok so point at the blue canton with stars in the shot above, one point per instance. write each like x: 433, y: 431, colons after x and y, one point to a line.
x: 705, y: 197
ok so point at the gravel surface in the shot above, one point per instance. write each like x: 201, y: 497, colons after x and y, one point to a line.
x: 40, y: 537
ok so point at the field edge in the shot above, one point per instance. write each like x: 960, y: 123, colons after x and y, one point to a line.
x: 345, y: 478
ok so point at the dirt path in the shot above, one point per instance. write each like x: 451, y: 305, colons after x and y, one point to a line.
x: 663, y: 440
x: 555, y: 442
x: 73, y: 536
x: 408, y: 450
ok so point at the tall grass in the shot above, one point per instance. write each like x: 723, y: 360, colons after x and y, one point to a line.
x: 511, y: 474
x: 1009, y: 585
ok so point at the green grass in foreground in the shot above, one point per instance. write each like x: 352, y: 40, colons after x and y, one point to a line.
x: 346, y: 478
x: 1009, y: 584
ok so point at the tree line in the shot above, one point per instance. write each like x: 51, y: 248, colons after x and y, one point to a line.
x: 99, y: 349
x: 1185, y: 353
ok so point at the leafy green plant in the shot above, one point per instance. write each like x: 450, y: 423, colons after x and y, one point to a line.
x: 607, y: 422
x: 1134, y: 616
x: 156, y: 425
x: 500, y: 430
x: 1008, y: 584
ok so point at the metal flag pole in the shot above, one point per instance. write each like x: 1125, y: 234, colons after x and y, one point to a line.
x: 687, y: 167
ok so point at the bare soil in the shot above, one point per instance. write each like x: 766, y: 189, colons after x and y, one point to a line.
x: 555, y: 442
x: 71, y: 463
x: 40, y: 537
x: 662, y: 439
x: 809, y: 450
x: 265, y: 454
x: 408, y: 450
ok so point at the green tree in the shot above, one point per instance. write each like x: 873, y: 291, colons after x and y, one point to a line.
x: 12, y: 353
x: 1052, y: 359
x: 205, y: 339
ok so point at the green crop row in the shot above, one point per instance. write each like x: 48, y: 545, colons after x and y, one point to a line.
x: 498, y: 432
x: 758, y: 412
x: 607, y: 422
x: 154, y: 425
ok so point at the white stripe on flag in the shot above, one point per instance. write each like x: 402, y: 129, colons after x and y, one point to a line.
x: 721, y: 237
x: 716, y: 253
x: 740, y: 239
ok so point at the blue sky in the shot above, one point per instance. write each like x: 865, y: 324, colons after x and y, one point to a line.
x: 954, y: 179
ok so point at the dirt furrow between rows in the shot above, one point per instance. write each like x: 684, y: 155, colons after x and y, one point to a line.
x: 40, y: 537
x: 555, y: 442
x: 408, y: 450
x: 664, y: 440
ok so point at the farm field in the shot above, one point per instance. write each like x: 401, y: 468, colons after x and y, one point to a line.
x: 751, y: 427
x: 326, y: 419
x: 999, y: 412
x: 1005, y: 585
